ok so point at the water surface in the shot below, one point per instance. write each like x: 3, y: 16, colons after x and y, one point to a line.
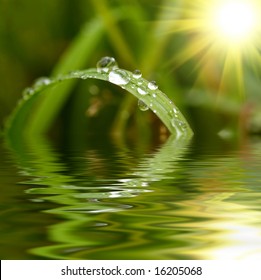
x: 177, y: 200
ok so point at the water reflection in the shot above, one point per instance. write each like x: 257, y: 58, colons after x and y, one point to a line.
x: 174, y: 202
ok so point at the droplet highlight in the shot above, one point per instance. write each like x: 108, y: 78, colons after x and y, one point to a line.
x: 105, y: 64
x: 175, y: 110
x: 142, y: 90
x: 119, y: 77
x: 174, y: 113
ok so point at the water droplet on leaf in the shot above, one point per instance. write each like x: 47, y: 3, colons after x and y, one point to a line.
x: 84, y: 76
x: 142, y: 90
x: 136, y: 74
x: 119, y: 77
x: 178, y: 124
x: 142, y: 106
x: 75, y: 73
x: 173, y: 112
x: 42, y: 81
x: 152, y: 85
x: 28, y: 91
x: 105, y: 64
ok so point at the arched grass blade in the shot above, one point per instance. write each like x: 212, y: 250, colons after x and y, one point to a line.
x: 145, y: 91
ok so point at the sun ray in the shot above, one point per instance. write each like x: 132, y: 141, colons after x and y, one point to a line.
x: 193, y: 50
x: 226, y: 32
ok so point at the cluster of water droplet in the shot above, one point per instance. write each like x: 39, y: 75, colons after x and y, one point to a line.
x: 39, y: 83
x: 175, y: 119
x: 119, y: 77
x: 115, y: 75
x: 109, y: 66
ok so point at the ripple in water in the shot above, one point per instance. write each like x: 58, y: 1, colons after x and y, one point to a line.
x: 173, y: 202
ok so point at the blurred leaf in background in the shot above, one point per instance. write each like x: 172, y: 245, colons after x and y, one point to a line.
x: 33, y: 35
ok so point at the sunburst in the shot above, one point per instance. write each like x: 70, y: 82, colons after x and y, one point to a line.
x: 221, y: 32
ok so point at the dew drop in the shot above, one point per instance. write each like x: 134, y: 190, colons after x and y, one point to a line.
x: 75, y: 73
x: 84, y: 76
x: 182, y: 125
x: 152, y: 85
x: 28, y: 91
x: 136, y: 74
x: 142, y: 106
x: 105, y: 64
x: 173, y: 113
x: 119, y: 77
x: 42, y: 81
x: 178, y: 124
x: 142, y: 90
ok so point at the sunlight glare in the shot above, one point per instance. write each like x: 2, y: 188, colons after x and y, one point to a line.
x: 223, y: 37
x: 235, y: 21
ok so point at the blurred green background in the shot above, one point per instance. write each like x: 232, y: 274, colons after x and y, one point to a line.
x: 44, y: 38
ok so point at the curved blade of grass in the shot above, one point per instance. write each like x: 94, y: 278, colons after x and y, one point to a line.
x: 156, y: 100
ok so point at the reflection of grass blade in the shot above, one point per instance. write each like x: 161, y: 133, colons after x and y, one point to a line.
x: 75, y: 58
x: 76, y: 228
x: 157, y: 101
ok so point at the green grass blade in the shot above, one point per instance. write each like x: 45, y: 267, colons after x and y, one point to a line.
x: 143, y: 90
x: 113, y: 31
x: 75, y: 58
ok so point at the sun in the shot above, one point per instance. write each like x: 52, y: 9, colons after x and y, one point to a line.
x: 221, y: 38
x: 234, y: 21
